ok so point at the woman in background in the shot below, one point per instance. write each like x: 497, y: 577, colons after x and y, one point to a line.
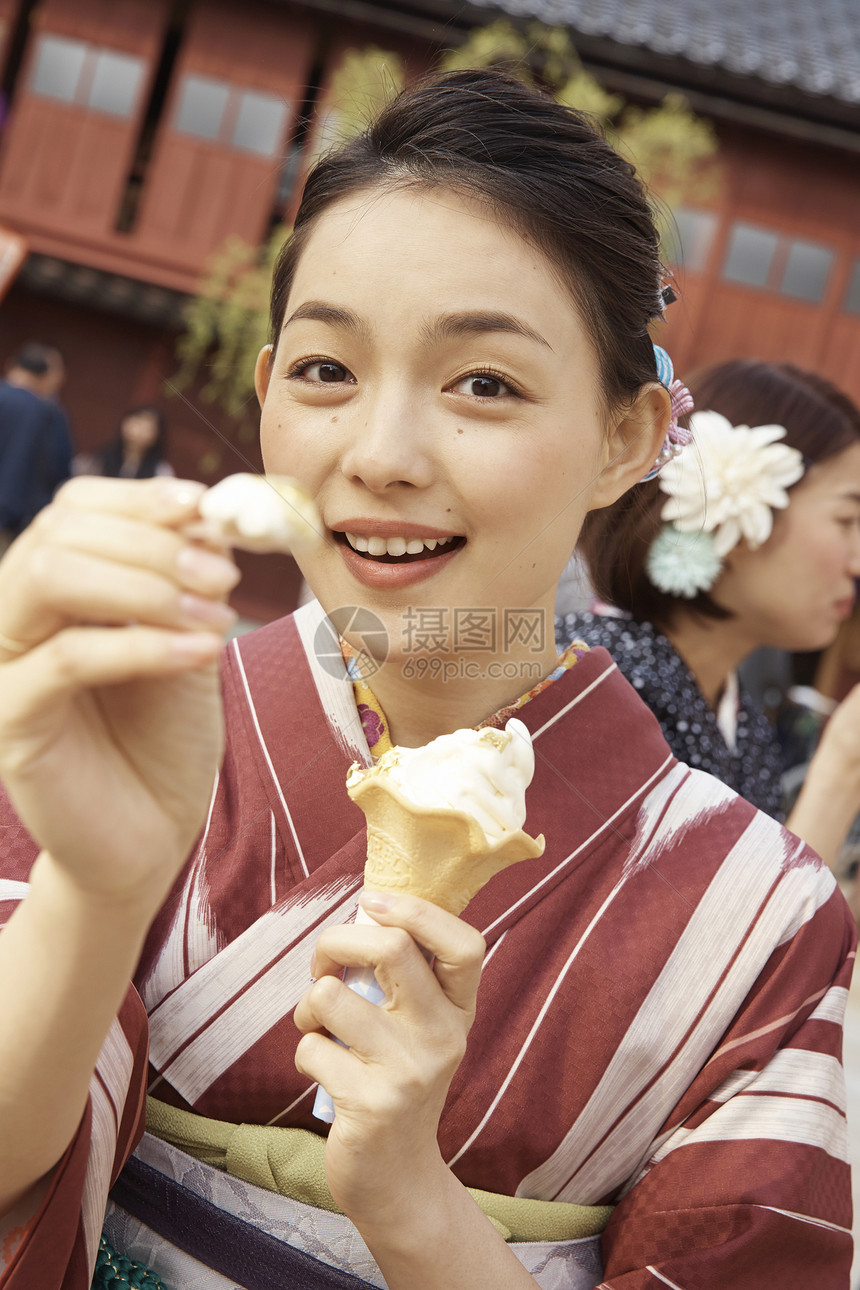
x: 750, y: 539
x: 137, y: 452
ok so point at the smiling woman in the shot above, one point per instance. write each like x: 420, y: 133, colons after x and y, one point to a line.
x: 459, y: 373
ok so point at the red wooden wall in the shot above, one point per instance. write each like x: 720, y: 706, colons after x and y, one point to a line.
x: 83, y: 155
x: 797, y: 191
x: 201, y: 191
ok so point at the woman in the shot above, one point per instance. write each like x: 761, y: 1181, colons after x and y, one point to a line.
x: 137, y: 452
x: 756, y: 543
x: 459, y: 365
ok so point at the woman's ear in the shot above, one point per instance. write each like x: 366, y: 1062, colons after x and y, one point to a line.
x: 633, y: 445
x: 263, y: 372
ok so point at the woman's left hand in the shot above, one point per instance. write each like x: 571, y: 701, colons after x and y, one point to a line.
x: 389, y: 1085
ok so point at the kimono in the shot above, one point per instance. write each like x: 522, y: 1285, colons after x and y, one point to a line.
x: 658, y: 1024
x: 736, y: 743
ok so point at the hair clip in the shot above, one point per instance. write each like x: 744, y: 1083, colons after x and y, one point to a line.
x: 677, y: 437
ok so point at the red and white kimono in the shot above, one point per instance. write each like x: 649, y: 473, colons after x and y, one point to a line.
x: 659, y: 1018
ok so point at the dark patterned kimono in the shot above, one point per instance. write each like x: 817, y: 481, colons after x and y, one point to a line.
x: 752, y: 767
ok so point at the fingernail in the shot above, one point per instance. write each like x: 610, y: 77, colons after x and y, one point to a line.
x: 201, y: 566
x: 180, y: 492
x: 376, y: 902
x: 196, y: 609
x: 196, y: 647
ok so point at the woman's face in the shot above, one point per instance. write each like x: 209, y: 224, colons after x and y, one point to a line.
x: 793, y: 592
x: 433, y: 380
x: 139, y: 431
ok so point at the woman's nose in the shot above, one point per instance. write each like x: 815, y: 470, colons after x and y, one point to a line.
x: 389, y: 446
x: 854, y: 559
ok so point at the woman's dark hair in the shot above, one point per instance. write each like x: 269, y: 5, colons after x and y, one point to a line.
x: 540, y: 167
x: 820, y: 422
x: 111, y: 457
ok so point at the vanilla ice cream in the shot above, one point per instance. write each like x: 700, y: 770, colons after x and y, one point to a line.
x: 262, y: 513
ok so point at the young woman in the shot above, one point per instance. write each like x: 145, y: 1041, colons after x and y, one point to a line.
x: 752, y: 539
x: 460, y: 369
x: 137, y: 452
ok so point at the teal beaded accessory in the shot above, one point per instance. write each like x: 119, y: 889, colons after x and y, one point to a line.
x: 114, y: 1272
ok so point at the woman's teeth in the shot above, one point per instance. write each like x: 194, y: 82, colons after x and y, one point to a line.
x: 377, y: 546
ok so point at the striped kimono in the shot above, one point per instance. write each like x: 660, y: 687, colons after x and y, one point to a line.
x: 659, y: 1017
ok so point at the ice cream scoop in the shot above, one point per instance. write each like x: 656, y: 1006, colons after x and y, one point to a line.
x: 444, y: 818
x: 262, y: 513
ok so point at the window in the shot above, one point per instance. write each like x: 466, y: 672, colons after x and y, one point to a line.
x: 806, y: 271
x: 259, y: 123
x: 115, y: 83
x: 201, y: 108
x: 246, y: 119
x: 852, y: 300
x: 71, y: 71
x: 689, y: 238
x: 59, y: 64
x: 751, y: 252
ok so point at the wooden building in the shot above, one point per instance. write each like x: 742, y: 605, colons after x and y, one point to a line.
x: 138, y: 135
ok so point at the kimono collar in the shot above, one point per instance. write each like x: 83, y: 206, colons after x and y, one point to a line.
x: 375, y: 724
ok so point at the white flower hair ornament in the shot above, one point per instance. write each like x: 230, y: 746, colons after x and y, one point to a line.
x: 729, y: 495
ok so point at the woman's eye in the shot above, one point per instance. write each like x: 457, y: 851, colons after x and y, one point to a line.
x: 482, y: 386
x: 321, y: 371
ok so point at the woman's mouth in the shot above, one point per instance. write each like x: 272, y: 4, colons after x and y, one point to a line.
x: 403, y: 550
x: 394, y: 560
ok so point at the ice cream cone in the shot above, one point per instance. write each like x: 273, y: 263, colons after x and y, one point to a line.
x: 438, y: 853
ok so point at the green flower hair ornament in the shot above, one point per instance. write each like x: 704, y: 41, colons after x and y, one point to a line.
x: 727, y: 496
x: 683, y: 564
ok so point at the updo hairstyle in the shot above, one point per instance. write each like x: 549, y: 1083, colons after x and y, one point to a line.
x: 541, y: 168
x: 820, y: 422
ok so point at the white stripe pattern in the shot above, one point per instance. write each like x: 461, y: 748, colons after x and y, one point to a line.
x: 604, y: 827
x: 791, y: 1071
x: 598, y: 680
x: 192, y: 937
x: 253, y: 1009
x: 662, y: 1279
x: 832, y: 1006
x: 273, y: 876
x: 115, y: 1064
x: 659, y: 794
x: 807, y: 1218
x: 333, y: 686
x: 12, y: 890
x: 237, y: 653
x: 689, y: 1006
x: 779, y: 1119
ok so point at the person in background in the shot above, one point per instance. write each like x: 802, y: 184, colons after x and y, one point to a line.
x: 751, y: 539
x: 138, y: 450
x: 35, y: 442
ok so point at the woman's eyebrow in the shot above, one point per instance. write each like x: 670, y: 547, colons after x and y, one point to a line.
x: 448, y: 327
x: 476, y: 322
x: 332, y: 315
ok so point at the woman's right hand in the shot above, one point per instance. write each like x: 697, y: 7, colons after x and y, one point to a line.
x: 111, y: 726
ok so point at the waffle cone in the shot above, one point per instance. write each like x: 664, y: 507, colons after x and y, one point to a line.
x: 437, y: 853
